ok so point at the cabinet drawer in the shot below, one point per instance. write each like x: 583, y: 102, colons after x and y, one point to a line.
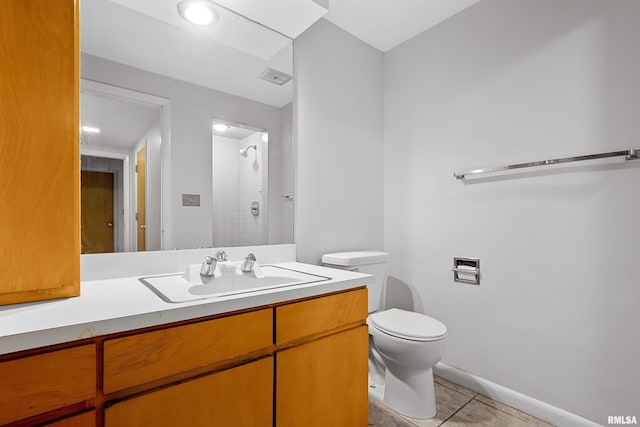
x: 87, y: 419
x: 241, y: 396
x: 34, y: 385
x: 315, y: 316
x: 146, y: 357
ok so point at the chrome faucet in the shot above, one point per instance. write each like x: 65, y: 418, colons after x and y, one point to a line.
x: 247, y: 264
x: 221, y: 256
x: 208, y: 267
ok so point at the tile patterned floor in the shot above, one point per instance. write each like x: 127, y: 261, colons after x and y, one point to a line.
x: 457, y: 407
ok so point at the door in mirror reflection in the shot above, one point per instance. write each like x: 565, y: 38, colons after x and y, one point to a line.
x: 141, y: 197
x: 97, y: 199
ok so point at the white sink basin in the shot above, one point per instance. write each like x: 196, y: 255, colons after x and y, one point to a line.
x: 176, y: 288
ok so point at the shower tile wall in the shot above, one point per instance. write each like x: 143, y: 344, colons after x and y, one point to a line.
x: 237, y: 182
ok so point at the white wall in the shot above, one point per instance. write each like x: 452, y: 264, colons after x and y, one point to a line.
x: 152, y: 139
x: 281, y: 177
x: 192, y: 109
x: 338, y: 133
x: 508, y: 81
x: 288, y: 181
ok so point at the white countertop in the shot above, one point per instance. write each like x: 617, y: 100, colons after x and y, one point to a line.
x: 120, y: 304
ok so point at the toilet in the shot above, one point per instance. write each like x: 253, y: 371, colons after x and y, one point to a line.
x: 403, y: 345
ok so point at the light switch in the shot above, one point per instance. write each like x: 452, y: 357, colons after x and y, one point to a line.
x: 190, y: 200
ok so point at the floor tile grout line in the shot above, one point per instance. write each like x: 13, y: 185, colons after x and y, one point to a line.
x: 504, y: 412
x: 395, y: 414
x: 475, y: 394
x: 458, y: 391
x: 473, y: 397
x: 459, y: 409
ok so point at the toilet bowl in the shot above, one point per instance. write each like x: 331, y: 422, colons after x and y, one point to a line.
x: 403, y: 345
x: 410, y: 344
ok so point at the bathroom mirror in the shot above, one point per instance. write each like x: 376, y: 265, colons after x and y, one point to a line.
x: 156, y: 175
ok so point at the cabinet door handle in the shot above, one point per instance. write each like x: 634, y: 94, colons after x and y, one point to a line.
x: 109, y: 224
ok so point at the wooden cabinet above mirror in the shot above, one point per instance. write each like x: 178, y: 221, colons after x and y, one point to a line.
x: 39, y: 155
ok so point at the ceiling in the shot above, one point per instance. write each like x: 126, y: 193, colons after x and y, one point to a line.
x: 384, y: 24
x: 121, y: 123
x: 289, y: 17
x: 149, y: 34
x: 236, y: 132
x: 228, y: 56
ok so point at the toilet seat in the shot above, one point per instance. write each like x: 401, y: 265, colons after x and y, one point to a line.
x: 408, y: 325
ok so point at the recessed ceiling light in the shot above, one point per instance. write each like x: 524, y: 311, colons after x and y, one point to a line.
x: 199, y: 12
x: 90, y: 129
x: 221, y: 127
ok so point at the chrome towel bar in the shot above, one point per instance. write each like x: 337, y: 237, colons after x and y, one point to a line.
x: 630, y: 154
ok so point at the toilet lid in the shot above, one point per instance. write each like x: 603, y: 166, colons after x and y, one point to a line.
x: 407, y: 324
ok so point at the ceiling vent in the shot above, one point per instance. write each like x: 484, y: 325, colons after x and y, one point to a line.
x: 275, y: 76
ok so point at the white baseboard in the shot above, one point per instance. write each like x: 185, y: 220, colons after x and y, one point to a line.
x: 529, y: 405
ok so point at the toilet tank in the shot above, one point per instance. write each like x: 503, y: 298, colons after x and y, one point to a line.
x: 367, y: 262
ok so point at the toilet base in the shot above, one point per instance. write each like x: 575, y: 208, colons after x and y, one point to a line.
x: 413, y: 396
x: 377, y: 392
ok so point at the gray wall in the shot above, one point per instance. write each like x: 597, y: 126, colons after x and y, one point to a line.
x: 509, y: 81
x: 192, y: 109
x: 338, y: 133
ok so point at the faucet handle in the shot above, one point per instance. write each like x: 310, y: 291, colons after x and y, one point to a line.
x: 248, y: 263
x: 208, y: 266
x: 221, y: 256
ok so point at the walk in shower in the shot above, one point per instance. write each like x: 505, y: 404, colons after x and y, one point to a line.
x: 240, y: 185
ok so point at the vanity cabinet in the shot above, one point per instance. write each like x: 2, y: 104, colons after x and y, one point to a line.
x: 170, y: 353
x: 240, y: 396
x: 321, y: 369
x: 198, y: 374
x: 295, y: 363
x: 59, y: 382
x: 324, y: 382
x: 39, y: 150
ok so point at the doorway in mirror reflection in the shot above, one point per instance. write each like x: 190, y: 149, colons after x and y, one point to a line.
x: 120, y: 145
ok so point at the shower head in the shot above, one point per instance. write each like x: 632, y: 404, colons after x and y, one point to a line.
x: 245, y: 151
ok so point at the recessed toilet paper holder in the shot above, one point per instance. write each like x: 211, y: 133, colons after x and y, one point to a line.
x: 466, y: 270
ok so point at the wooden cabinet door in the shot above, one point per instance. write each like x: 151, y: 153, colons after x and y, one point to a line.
x: 39, y: 150
x: 238, y: 397
x: 324, y: 383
